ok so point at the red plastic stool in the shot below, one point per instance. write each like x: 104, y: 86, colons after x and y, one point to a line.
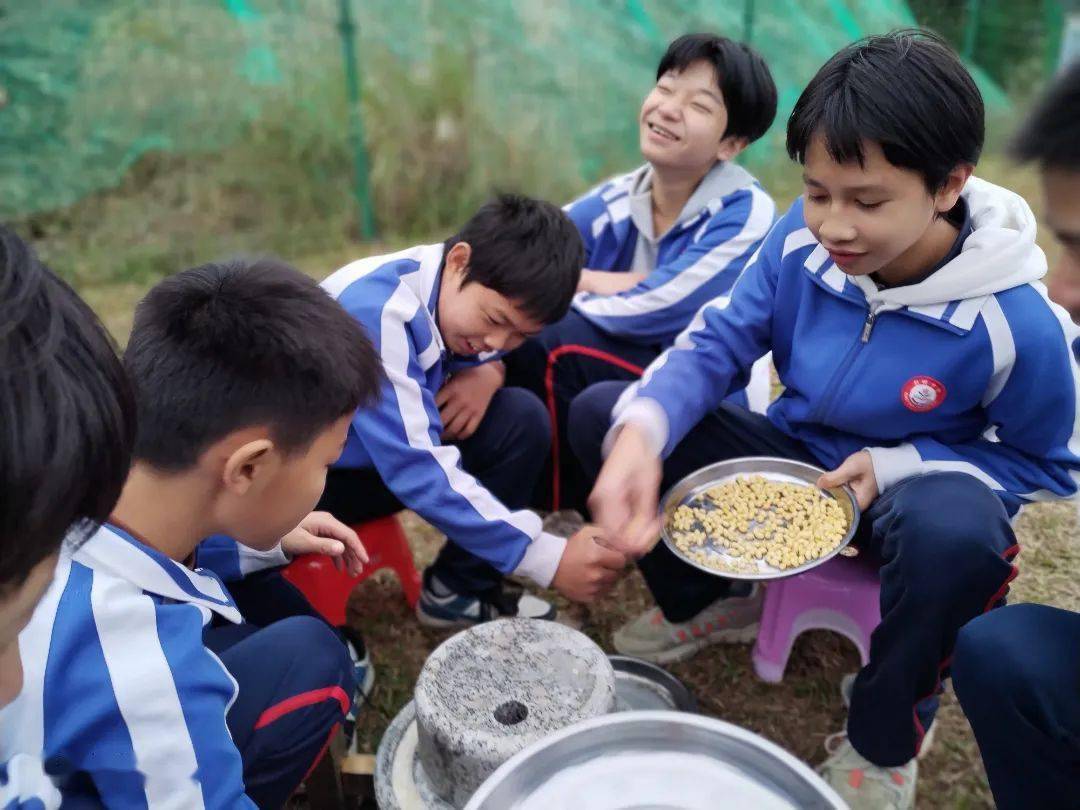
x: 328, y: 589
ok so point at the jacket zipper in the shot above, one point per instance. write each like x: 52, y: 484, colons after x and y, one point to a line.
x: 868, y: 326
x: 845, y: 365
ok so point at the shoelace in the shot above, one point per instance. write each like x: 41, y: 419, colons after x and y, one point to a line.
x: 833, y: 741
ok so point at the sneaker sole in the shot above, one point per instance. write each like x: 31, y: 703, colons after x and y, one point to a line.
x: 369, y: 681
x: 436, y: 623
x: 927, y: 742
x: 687, y: 649
x: 365, y: 689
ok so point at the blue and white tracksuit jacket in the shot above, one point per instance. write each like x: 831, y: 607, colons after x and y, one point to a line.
x: 121, y: 699
x: 697, y: 260
x: 970, y: 370
x: 395, y: 298
x: 231, y: 561
x: 24, y: 785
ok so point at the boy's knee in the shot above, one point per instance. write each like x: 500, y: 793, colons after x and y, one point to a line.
x: 952, y: 524
x: 527, y: 417
x: 949, y: 501
x: 993, y: 656
x: 590, y: 417
x: 317, y: 648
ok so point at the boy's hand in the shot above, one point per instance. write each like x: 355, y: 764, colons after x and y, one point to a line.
x: 322, y: 533
x: 587, y: 568
x: 625, y: 498
x: 605, y: 282
x: 465, y: 397
x: 857, y: 472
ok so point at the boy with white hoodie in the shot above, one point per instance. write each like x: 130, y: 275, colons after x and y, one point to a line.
x: 922, y: 364
x: 660, y: 241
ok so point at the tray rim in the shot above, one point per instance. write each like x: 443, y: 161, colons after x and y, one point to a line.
x: 667, y: 505
x: 682, y: 698
x: 673, y: 728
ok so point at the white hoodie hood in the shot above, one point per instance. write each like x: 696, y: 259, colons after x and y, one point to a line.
x: 1000, y: 254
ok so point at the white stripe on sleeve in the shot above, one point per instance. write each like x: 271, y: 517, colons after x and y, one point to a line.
x: 146, y: 694
x: 1002, y: 347
x: 397, y: 311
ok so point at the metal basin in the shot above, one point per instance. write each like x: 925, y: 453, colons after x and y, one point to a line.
x: 654, y: 761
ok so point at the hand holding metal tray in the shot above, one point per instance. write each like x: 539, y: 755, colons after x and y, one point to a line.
x: 772, y: 469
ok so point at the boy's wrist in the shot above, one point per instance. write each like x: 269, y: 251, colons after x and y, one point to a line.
x: 541, y: 560
x: 893, y: 464
x: 498, y: 371
x: 585, y: 282
x: 272, y: 557
x: 649, y: 419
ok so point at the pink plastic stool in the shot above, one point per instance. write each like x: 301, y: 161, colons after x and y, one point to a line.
x: 328, y: 589
x: 841, y: 595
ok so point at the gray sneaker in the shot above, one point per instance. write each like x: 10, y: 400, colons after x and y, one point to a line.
x: 730, y: 620
x: 864, y: 785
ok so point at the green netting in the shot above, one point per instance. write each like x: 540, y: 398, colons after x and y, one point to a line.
x: 477, y: 93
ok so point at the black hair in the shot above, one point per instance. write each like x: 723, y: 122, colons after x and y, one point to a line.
x: 527, y: 250
x: 247, y: 342
x: 743, y: 77
x: 1050, y: 135
x: 905, y: 90
x: 67, y: 415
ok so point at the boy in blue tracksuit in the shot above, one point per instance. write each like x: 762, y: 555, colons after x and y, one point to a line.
x: 923, y: 365
x: 144, y: 685
x: 662, y: 240
x: 1016, y: 671
x: 434, y: 312
x: 67, y: 418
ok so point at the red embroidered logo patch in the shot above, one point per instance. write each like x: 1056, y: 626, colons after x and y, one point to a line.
x: 922, y: 394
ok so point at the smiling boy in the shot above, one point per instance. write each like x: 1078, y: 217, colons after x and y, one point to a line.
x: 664, y: 239
x: 434, y: 312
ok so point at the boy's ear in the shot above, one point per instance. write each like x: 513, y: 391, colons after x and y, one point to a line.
x: 247, y: 464
x: 731, y: 146
x: 946, y: 198
x: 457, y: 259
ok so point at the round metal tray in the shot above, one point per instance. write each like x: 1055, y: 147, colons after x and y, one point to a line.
x: 774, y: 469
x: 655, y: 760
x: 641, y: 686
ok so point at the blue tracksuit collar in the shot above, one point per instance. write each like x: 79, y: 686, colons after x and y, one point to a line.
x: 118, y: 552
x: 957, y: 316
